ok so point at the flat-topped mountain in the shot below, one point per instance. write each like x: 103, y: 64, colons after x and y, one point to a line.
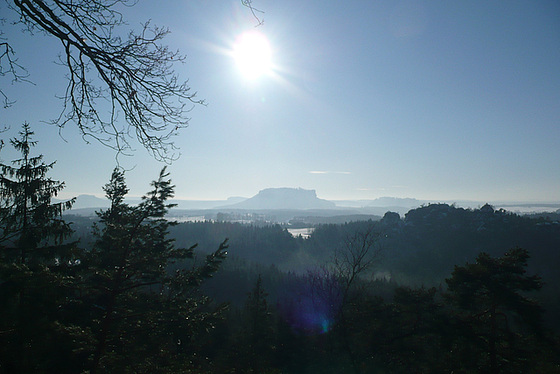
x: 284, y: 198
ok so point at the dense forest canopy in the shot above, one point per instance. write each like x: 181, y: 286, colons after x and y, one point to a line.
x: 420, y: 248
x: 442, y: 289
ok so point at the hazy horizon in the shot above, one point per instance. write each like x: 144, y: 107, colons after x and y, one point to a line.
x: 382, y: 201
x: 101, y: 195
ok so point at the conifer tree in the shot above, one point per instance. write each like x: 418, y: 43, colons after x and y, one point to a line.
x: 258, y: 317
x: 34, y: 261
x: 494, y: 313
x: 253, y: 346
x: 30, y: 221
x: 143, y: 314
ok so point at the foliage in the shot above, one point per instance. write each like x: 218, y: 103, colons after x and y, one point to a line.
x: 419, y: 249
x: 494, y: 311
x: 123, y: 304
x: 35, y: 262
x: 28, y: 217
x: 266, y: 245
x: 424, y: 246
x: 144, y: 316
x: 258, y: 316
x: 253, y: 343
x: 133, y: 300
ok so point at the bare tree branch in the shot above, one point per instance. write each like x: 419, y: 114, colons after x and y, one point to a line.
x: 120, y: 86
x: 111, y: 79
x: 333, y: 283
x: 254, y: 11
x: 9, y: 66
x: 361, y: 250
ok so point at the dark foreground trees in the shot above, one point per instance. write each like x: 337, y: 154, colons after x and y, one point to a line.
x: 397, y: 329
x: 28, y: 218
x: 131, y: 300
x: 34, y: 260
x: 144, y: 314
x: 495, y: 320
x: 130, y: 303
x: 484, y: 322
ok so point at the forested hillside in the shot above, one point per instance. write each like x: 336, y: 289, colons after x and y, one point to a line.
x: 443, y: 289
x: 419, y: 249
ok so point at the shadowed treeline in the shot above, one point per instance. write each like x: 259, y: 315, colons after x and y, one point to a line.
x: 443, y: 289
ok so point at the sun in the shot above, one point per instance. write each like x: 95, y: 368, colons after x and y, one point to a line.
x: 253, y: 55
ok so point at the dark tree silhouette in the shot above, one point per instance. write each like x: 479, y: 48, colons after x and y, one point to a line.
x: 143, y: 313
x: 35, y: 263
x: 494, y: 310
x: 335, y: 284
x: 28, y: 218
x: 258, y: 328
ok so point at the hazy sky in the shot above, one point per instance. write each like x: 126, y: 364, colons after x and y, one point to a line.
x: 436, y: 100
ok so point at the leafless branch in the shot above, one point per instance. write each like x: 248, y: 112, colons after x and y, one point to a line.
x: 332, y: 283
x: 132, y: 76
x: 121, y: 86
x: 9, y: 66
x: 254, y: 11
x: 360, y: 251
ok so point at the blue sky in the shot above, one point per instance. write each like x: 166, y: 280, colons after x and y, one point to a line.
x: 435, y: 100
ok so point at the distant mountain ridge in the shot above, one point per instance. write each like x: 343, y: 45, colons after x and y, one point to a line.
x: 302, y: 199
x: 396, y: 201
x: 88, y: 201
x: 284, y: 198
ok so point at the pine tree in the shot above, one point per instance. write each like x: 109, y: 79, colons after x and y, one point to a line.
x: 258, y: 317
x: 35, y: 261
x: 144, y: 315
x: 31, y: 225
x: 494, y: 314
x: 254, y: 343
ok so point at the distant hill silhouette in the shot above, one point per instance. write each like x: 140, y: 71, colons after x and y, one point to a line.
x: 395, y: 201
x: 87, y: 201
x: 284, y: 198
x: 302, y: 199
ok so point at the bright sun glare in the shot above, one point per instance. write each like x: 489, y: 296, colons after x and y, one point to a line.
x: 252, y: 54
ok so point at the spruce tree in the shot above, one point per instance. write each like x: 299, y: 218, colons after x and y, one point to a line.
x: 35, y: 262
x: 252, y: 346
x: 144, y: 314
x: 31, y: 227
x: 258, y: 319
x: 494, y: 315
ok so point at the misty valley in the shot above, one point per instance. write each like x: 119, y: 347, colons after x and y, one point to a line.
x: 288, y: 304
x: 144, y: 288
